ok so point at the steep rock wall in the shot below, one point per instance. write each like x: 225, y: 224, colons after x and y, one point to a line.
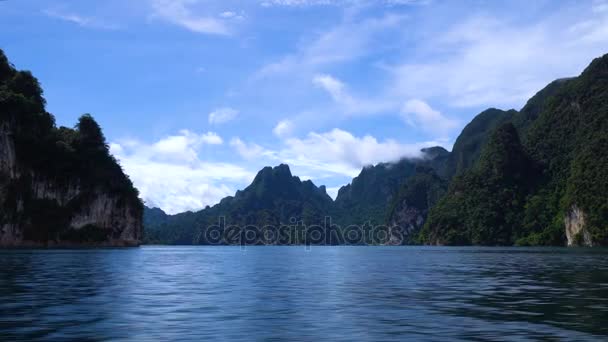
x: 93, y: 216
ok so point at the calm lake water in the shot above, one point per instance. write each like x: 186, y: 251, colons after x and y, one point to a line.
x: 326, y: 293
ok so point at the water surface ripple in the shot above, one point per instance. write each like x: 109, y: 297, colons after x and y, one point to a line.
x: 323, y: 293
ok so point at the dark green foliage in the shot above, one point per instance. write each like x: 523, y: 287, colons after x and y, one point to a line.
x: 417, y: 196
x: 513, y: 179
x: 564, y: 130
x: 422, y: 190
x: 368, y: 196
x: 90, y: 136
x: 536, y: 105
x: 274, y: 198
x: 484, y: 204
x: 61, y: 157
x: 473, y: 137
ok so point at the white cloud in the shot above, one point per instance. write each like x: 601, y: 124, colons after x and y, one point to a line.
x: 335, y: 88
x: 300, y: 3
x: 248, y: 151
x: 490, y: 61
x: 212, y: 138
x: 341, y: 152
x: 333, y: 191
x: 336, y: 152
x: 169, y: 173
x: 348, y: 103
x: 418, y: 113
x: 222, y: 115
x: 306, y: 3
x: 227, y: 14
x: 283, y: 129
x: 415, y: 112
x: 179, y: 12
x: 231, y: 15
x: 181, y: 147
x: 347, y: 41
x: 77, y: 19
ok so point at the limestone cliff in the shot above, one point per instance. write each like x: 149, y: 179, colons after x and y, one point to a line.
x: 411, y: 205
x: 58, y: 186
x: 576, y: 233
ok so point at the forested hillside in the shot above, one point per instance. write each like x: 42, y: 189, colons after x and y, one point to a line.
x: 538, y: 176
x: 562, y: 196
x: 58, y: 185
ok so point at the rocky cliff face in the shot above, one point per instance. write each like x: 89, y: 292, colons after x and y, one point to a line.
x: 58, y: 186
x: 95, y: 216
x: 410, y: 208
x: 576, y: 234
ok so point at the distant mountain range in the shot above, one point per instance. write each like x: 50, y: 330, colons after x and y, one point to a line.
x: 538, y: 176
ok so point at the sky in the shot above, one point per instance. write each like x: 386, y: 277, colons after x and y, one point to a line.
x: 196, y: 96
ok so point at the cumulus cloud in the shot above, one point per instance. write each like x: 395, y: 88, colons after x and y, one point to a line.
x: 336, y: 152
x: 179, y: 12
x: 341, y: 152
x: 222, y: 115
x: 212, y: 138
x: 169, y: 173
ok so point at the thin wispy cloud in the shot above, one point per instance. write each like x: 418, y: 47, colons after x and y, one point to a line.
x: 180, y: 12
x: 222, y: 115
x: 350, y: 40
x: 80, y: 20
x: 485, y: 60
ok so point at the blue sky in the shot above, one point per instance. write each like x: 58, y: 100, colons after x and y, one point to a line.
x: 195, y: 96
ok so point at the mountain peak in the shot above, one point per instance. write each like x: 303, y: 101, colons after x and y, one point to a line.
x: 598, y: 66
x: 281, y: 171
x: 435, y: 152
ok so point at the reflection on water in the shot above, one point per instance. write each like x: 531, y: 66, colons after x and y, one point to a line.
x: 330, y: 293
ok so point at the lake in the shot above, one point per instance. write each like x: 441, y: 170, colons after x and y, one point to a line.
x: 299, y: 293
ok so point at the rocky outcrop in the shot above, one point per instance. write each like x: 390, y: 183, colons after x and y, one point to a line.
x: 405, y: 222
x: 58, y: 186
x: 92, y: 216
x: 576, y: 234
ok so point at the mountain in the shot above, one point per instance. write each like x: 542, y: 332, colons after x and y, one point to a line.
x: 58, y: 186
x: 543, y: 178
x: 366, y: 198
x: 408, y: 210
x: 274, y: 198
x: 537, y: 176
x: 483, y: 204
x: 473, y: 137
